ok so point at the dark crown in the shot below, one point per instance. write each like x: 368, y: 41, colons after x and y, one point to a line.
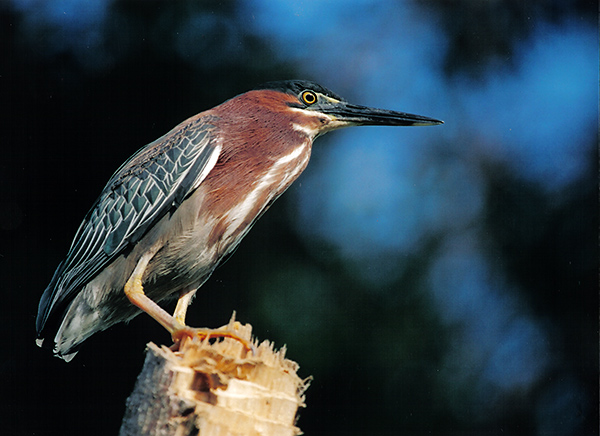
x: 295, y: 87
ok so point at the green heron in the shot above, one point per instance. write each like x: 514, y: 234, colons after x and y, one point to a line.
x: 181, y: 204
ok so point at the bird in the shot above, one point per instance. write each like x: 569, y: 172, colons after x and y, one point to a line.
x: 180, y: 205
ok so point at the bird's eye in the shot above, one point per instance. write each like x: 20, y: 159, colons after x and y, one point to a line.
x: 309, y: 97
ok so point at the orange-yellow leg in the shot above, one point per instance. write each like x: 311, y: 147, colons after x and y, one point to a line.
x: 179, y: 314
x: 174, y: 324
x: 182, y: 306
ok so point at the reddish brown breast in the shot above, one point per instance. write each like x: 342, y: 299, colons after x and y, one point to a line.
x: 262, y: 155
x: 255, y: 130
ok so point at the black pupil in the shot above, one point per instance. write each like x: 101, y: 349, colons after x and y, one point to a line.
x: 309, y: 97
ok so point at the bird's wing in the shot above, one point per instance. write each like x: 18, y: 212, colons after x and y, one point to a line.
x: 151, y: 183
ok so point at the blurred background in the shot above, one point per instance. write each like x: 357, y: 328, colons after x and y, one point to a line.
x: 438, y: 280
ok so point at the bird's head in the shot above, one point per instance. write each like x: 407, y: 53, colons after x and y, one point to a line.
x: 316, y: 110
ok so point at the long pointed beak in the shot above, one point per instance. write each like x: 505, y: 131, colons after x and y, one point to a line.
x: 351, y: 114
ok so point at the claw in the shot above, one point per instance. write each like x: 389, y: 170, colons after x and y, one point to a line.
x: 181, y: 334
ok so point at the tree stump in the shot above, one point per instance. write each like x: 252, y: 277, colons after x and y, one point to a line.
x: 215, y: 389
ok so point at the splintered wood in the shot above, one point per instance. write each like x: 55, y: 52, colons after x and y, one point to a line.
x: 215, y: 389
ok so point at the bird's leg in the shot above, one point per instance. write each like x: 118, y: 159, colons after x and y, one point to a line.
x: 182, y: 305
x: 180, y: 311
x: 174, y: 324
x: 135, y: 292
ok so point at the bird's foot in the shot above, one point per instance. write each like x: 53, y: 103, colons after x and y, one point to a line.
x: 184, y: 333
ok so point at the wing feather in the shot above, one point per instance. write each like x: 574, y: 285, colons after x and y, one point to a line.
x: 151, y: 183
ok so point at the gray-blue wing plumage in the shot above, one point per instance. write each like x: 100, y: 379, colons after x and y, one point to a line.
x: 150, y: 184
